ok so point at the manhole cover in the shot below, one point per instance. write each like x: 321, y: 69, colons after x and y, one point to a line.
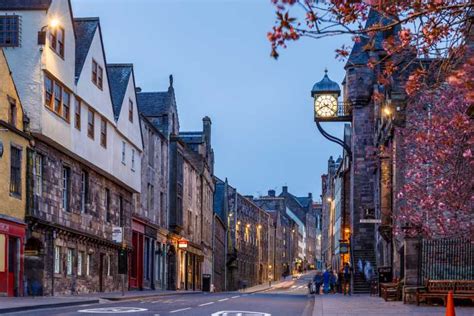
x: 240, y: 313
x: 113, y: 310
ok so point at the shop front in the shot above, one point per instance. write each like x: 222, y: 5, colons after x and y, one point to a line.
x: 190, y: 267
x: 136, y: 260
x: 12, y: 236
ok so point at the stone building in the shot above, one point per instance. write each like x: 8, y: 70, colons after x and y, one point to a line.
x: 283, y: 239
x: 84, y: 170
x: 317, y: 209
x: 301, y: 211
x: 220, y: 235
x: 14, y: 150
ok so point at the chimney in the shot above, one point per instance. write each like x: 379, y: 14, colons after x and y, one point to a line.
x: 138, y: 89
x: 271, y: 193
x: 310, y: 195
x: 249, y: 197
x: 206, y: 128
x: 285, y: 189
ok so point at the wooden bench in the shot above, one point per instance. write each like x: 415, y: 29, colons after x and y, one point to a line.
x: 390, y: 291
x: 440, y: 288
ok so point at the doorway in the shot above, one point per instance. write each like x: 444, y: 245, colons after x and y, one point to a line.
x: 101, y: 272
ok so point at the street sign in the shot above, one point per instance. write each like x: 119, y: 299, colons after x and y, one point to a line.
x: 370, y: 221
x: 240, y: 313
x: 182, y: 244
x: 117, y: 234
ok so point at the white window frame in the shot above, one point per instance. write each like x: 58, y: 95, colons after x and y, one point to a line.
x: 79, y: 262
x: 88, y: 264
x: 57, y: 259
x: 69, y: 257
x: 38, y: 174
x: 123, y: 152
x: 133, y: 159
x: 108, y: 265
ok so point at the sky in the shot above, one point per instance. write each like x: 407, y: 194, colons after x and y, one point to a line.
x: 263, y: 132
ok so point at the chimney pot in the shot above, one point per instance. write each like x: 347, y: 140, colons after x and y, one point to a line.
x: 138, y: 89
x: 285, y: 189
x: 271, y: 193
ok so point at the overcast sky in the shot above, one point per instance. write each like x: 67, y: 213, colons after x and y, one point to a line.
x: 263, y: 131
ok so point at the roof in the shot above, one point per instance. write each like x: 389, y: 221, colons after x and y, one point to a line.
x: 325, y: 85
x: 192, y: 137
x: 154, y: 103
x: 359, y: 55
x: 119, y: 76
x: 25, y: 4
x: 85, y: 29
x: 303, y: 201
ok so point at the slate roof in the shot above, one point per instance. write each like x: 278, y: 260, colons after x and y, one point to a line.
x: 192, y: 137
x: 219, y: 195
x: 25, y: 4
x: 119, y: 76
x: 303, y: 201
x: 85, y: 29
x: 154, y: 103
x: 359, y: 55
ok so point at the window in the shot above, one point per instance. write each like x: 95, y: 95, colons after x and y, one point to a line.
x: 150, y: 198
x: 66, y: 187
x: 123, y: 152
x: 133, y: 159
x: 38, y: 174
x: 66, y: 104
x: 90, y: 123
x: 108, y: 264
x: 9, y: 31
x: 57, y: 259
x: 56, y: 97
x: 48, y: 90
x: 130, y: 111
x: 69, y: 261
x: 88, y: 264
x: 162, y: 158
x: 56, y: 40
x: 162, y: 209
x: 12, y: 112
x: 84, y: 190
x: 80, y: 257
x: 107, y: 205
x: 97, y: 74
x: 121, y: 219
x: 15, y: 171
x: 77, y: 114
x: 151, y: 149
x: 103, y: 132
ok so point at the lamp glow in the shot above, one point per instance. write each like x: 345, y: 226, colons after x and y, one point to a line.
x: 387, y: 111
x: 54, y: 23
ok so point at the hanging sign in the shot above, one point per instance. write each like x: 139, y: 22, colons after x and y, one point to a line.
x: 117, y: 234
x: 182, y: 244
x: 370, y: 221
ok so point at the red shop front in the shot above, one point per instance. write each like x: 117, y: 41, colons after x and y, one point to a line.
x: 136, y: 260
x: 12, y: 237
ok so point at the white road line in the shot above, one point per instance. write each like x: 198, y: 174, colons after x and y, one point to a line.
x: 293, y: 286
x: 224, y: 299
x: 235, y: 296
x: 180, y: 310
x: 206, y: 304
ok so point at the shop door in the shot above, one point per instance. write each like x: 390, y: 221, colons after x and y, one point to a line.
x: 3, y: 265
x: 13, y: 266
x: 101, y: 273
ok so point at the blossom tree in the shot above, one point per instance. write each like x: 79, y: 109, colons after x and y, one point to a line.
x: 423, y: 27
x: 437, y: 197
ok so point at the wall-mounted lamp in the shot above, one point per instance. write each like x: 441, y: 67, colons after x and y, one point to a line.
x: 53, y: 23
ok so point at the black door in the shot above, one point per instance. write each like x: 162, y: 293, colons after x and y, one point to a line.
x: 101, y: 273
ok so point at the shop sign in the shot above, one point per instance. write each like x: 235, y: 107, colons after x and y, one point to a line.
x: 344, y: 247
x: 370, y: 221
x: 4, y: 228
x: 182, y: 244
x: 117, y: 234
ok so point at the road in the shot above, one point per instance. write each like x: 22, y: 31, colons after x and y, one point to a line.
x: 291, y: 299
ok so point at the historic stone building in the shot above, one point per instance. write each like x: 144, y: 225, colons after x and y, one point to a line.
x: 318, y: 211
x: 14, y: 150
x: 85, y: 168
x: 283, y: 238
x: 220, y: 235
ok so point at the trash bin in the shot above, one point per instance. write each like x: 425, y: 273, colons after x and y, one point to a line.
x: 206, y: 282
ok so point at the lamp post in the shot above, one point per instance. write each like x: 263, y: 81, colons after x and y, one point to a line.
x: 327, y: 108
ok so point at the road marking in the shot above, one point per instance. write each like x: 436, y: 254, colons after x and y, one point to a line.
x: 209, y: 303
x: 235, y: 296
x: 180, y: 310
x: 113, y: 310
x: 224, y: 299
x: 293, y: 286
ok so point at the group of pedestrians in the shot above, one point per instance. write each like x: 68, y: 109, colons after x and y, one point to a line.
x: 331, y: 282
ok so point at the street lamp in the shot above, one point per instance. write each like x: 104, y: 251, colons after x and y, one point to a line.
x: 52, y: 24
x: 327, y: 108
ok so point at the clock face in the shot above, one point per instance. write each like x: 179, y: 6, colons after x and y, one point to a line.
x: 325, y: 106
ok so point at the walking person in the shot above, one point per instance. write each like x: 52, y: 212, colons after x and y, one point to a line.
x: 318, y: 280
x: 347, y: 279
x: 326, y: 281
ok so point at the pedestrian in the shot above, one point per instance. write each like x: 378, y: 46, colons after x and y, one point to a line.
x: 368, y: 271
x: 360, y: 265
x: 318, y: 280
x: 333, y: 282
x: 326, y: 281
x: 347, y: 279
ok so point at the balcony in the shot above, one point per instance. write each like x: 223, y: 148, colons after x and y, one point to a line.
x: 343, y: 114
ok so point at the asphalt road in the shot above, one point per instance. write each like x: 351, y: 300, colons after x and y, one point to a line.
x: 290, y: 300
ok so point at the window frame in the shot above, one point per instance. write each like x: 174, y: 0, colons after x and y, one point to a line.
x: 130, y: 110
x: 124, y: 148
x: 66, y: 188
x: 57, y: 259
x: 80, y: 257
x: 38, y: 174
x: 15, y: 33
x: 56, y: 42
x: 77, y: 113
x: 84, y: 193
x: 133, y: 159
x: 97, y: 74
x: 54, y: 98
x: 91, y: 124
x: 103, y: 132
x: 15, y: 171
x: 69, y: 261
x: 108, y: 215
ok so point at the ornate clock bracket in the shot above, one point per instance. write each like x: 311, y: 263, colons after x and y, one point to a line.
x: 334, y: 139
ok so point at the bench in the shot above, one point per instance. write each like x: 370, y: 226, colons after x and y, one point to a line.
x: 440, y: 288
x: 390, y: 291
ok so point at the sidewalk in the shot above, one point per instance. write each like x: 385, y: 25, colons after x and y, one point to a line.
x: 264, y: 287
x: 364, y: 305
x: 18, y: 304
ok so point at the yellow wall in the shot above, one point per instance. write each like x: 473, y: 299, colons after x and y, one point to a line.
x: 9, y: 205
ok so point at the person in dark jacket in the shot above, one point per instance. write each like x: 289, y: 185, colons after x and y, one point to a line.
x: 318, y: 280
x: 347, y: 279
x: 326, y: 281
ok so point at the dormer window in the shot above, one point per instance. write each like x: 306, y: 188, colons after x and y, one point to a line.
x: 97, y: 74
x: 56, y: 40
x: 9, y: 31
